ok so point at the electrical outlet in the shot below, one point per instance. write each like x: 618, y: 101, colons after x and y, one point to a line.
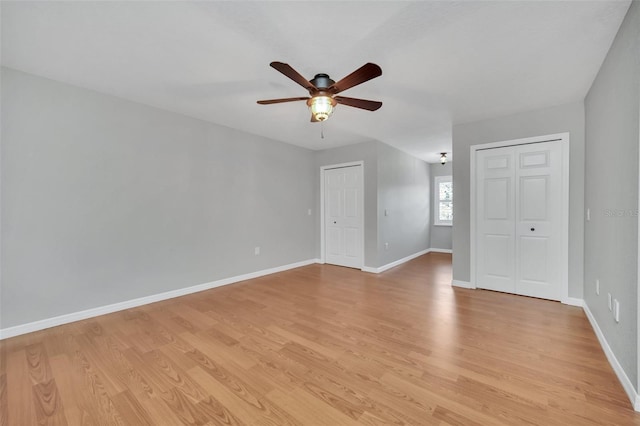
x: 309, y: 212
x: 609, y: 300
x: 256, y: 251
x: 597, y: 287
x: 588, y: 214
x: 386, y: 246
x: 616, y: 310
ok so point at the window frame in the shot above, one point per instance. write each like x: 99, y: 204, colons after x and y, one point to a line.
x: 436, y: 200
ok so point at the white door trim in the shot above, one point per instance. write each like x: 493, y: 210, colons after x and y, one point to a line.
x: 322, y: 224
x: 636, y: 403
x: 562, y: 138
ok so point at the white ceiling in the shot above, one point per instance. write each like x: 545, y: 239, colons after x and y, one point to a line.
x: 443, y: 62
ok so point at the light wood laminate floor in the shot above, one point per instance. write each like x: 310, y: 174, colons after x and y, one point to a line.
x: 320, y: 345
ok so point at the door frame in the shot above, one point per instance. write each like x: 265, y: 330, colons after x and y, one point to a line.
x: 361, y: 200
x: 563, y: 139
x: 636, y: 403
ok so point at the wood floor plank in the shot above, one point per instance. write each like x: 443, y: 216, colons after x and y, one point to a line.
x: 184, y: 408
x: 124, y: 374
x: 131, y: 409
x: 320, y: 345
x: 48, y: 405
x: 38, y: 364
x: 94, y: 355
x: 309, y: 410
x: 218, y: 356
x: 95, y: 400
x: 157, y: 382
x: 429, y: 399
x: 251, y: 407
x: 452, y: 418
x: 172, y: 376
x: 78, y: 408
x: 159, y: 412
x: 4, y: 407
x: 217, y: 413
x: 21, y: 407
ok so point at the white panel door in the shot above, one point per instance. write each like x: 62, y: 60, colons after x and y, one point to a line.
x: 343, y: 216
x: 496, y: 220
x: 519, y: 219
x: 539, y: 220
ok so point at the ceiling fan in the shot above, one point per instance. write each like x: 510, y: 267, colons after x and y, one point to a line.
x: 323, y: 90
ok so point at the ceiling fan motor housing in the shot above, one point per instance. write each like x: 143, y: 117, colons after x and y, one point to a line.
x: 322, y: 81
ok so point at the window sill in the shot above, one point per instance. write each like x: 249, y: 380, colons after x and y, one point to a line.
x: 443, y: 224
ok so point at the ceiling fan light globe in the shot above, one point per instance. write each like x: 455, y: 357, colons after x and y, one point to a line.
x: 321, y: 107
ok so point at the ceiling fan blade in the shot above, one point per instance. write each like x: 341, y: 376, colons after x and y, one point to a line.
x: 358, y: 103
x: 365, y: 73
x: 279, y: 101
x: 292, y: 74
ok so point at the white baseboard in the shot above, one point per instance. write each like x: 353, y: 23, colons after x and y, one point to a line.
x: 393, y: 264
x: 102, y: 310
x: 462, y: 284
x: 573, y: 301
x: 439, y: 250
x: 622, y: 376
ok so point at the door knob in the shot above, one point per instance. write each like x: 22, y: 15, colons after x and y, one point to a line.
x: 337, y: 222
x: 533, y: 229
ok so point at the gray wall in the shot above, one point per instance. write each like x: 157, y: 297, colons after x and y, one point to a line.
x: 105, y: 200
x: 611, y: 236
x: 393, y: 180
x: 558, y: 119
x: 441, y: 236
x: 403, y: 190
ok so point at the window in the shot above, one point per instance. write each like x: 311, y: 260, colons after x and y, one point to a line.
x: 443, y: 201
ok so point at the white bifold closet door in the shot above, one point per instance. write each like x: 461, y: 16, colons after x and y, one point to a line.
x: 519, y: 219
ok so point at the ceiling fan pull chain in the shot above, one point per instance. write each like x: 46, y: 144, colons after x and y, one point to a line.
x: 322, y: 130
